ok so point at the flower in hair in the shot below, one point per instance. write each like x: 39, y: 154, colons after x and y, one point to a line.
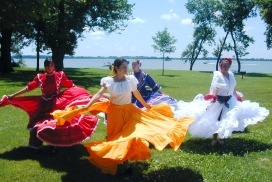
x: 227, y: 59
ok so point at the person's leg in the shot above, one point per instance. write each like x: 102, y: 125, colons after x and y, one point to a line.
x: 214, y: 140
x: 126, y: 169
x: 54, y: 149
x: 221, y: 141
x: 34, y: 141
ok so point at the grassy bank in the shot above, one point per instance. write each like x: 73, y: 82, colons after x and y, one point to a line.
x: 245, y: 156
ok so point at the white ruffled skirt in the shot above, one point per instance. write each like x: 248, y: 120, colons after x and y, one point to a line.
x: 236, y: 117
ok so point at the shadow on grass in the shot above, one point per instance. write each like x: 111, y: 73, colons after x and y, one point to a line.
x: 82, y: 77
x: 22, y: 76
x: 177, y: 174
x: 73, y: 161
x: 166, y: 75
x: 234, y: 146
x: 258, y: 75
x: 208, y: 72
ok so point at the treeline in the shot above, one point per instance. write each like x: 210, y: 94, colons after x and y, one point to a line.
x: 211, y: 16
x: 55, y: 26
x: 129, y: 57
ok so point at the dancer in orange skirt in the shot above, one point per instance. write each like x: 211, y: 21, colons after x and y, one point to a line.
x: 129, y: 129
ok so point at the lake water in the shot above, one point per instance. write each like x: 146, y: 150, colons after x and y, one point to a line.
x: 248, y: 66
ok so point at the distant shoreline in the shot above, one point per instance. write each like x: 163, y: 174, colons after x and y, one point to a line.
x: 199, y: 65
x: 131, y: 57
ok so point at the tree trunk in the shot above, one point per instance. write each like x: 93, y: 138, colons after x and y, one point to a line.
x: 236, y: 53
x: 38, y: 51
x: 196, y: 51
x: 58, y: 51
x: 58, y: 56
x: 162, y: 64
x: 5, y: 59
x: 192, y: 58
x: 221, y: 50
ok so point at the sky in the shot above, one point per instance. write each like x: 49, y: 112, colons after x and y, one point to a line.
x: 151, y: 16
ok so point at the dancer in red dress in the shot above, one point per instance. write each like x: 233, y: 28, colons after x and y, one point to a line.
x: 42, y: 126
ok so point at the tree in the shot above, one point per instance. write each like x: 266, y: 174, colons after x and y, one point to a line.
x: 204, y: 18
x: 15, y: 16
x: 56, y: 25
x: 265, y: 7
x: 231, y: 15
x: 164, y: 43
x: 196, y: 48
x: 68, y: 19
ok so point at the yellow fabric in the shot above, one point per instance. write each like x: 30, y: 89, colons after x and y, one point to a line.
x: 68, y: 114
x: 129, y: 132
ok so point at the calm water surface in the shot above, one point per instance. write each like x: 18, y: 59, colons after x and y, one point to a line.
x: 200, y: 65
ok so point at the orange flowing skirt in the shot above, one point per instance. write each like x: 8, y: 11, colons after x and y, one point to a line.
x: 129, y: 132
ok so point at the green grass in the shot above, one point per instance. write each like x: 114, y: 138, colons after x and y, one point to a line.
x: 245, y: 156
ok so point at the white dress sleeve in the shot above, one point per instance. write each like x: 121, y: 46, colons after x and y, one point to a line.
x: 120, y: 92
x: 225, y: 86
x: 218, y: 81
x: 106, y: 81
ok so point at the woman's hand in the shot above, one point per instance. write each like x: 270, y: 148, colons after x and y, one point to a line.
x: 147, y: 106
x: 239, y: 98
x: 210, y: 97
x: 10, y: 96
x: 82, y: 106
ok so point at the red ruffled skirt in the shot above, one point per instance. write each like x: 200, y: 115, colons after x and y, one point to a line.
x: 48, y: 129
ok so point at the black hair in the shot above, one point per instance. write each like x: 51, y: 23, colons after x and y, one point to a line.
x: 117, y: 63
x: 48, y: 61
x: 138, y: 62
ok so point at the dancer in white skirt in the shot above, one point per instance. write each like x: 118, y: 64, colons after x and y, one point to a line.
x: 222, y: 111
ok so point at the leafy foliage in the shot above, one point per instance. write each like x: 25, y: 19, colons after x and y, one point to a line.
x: 231, y: 18
x: 164, y: 43
x: 204, y: 33
x: 56, y: 25
x: 265, y: 7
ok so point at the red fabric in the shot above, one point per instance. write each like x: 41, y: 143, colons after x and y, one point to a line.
x: 50, y: 83
x: 239, y: 98
x: 210, y: 97
x: 30, y: 104
x: 70, y: 133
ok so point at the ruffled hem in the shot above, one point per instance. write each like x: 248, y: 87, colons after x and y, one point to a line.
x: 61, y: 133
x: 161, y: 131
x: 69, y: 134
x: 236, y: 118
x: 101, y: 153
x: 244, y: 114
x: 157, y: 98
x: 195, y: 108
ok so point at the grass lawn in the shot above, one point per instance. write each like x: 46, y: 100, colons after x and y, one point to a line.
x: 245, y: 156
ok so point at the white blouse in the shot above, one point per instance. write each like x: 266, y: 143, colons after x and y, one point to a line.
x: 120, y: 92
x: 226, y: 85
